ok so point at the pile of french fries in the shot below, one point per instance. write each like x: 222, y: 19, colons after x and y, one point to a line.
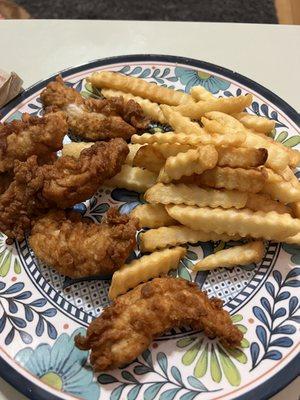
x: 217, y: 175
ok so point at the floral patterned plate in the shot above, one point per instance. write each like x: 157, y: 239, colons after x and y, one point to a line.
x: 41, y: 311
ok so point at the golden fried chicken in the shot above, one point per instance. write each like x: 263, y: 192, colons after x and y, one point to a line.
x: 94, y: 119
x: 31, y: 136
x: 59, y: 185
x: 79, y: 248
x: 125, y: 329
x: 69, y: 180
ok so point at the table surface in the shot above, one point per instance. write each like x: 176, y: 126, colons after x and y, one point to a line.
x: 268, y: 54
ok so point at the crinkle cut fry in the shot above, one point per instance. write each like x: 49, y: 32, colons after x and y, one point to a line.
x: 252, y: 252
x: 152, y: 216
x: 182, y: 124
x: 255, y: 122
x: 133, y: 178
x: 170, y: 236
x: 139, y: 87
x: 269, y: 226
x: 230, y: 105
x: 125, y: 329
x: 235, y: 139
x: 143, y: 269
x: 244, y: 180
x: 193, y: 195
x: 185, y: 164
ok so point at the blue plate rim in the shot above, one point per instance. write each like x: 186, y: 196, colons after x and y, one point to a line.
x: 288, y: 373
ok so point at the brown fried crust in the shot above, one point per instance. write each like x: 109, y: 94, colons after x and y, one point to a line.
x: 69, y: 181
x: 125, y: 329
x: 62, y: 184
x: 79, y: 248
x: 94, y: 119
x: 31, y: 136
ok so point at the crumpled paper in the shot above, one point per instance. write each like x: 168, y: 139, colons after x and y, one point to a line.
x: 10, y: 86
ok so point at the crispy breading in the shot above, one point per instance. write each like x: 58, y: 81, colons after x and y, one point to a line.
x: 62, y: 184
x: 69, y: 181
x: 21, y: 139
x: 125, y: 329
x: 94, y: 119
x: 78, y: 248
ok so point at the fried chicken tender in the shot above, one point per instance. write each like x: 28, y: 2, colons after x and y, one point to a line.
x: 69, y: 180
x: 62, y: 184
x: 94, y: 119
x: 31, y: 136
x: 125, y: 329
x: 79, y: 248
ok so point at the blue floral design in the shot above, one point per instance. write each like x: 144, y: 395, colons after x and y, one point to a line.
x: 294, y: 250
x: 191, y: 77
x: 61, y: 366
x: 130, y: 198
x: 162, y: 375
x: 273, y: 335
x: 12, y: 300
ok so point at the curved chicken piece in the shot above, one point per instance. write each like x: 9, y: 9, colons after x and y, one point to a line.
x: 125, y: 329
x: 60, y: 185
x: 69, y: 181
x: 79, y: 248
x: 21, y: 139
x: 94, y: 119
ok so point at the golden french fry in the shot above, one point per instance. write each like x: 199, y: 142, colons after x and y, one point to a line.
x: 193, y: 195
x: 279, y: 189
x: 184, y: 125
x: 160, y: 238
x: 150, y: 158
x: 199, y: 93
x: 263, y: 202
x: 133, y: 149
x: 138, y: 87
x: 244, y: 180
x: 295, y: 209
x: 150, y: 109
x: 279, y: 157
x: 194, y: 161
x: 258, y: 124
x: 74, y: 149
x: 152, y: 216
x: 252, y: 252
x: 239, y: 157
x: 269, y: 226
x: 153, y: 156
x: 143, y: 269
x: 293, y: 155
x: 171, y: 149
x: 133, y: 178
x: 235, y: 139
x: 288, y: 175
x: 213, y: 126
x: 229, y: 105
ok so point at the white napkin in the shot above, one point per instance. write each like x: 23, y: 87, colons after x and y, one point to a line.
x: 10, y: 86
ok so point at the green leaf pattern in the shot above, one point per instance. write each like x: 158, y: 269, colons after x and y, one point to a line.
x: 8, y: 260
x: 209, y: 356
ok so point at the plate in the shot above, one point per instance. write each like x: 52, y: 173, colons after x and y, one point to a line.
x: 41, y: 311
